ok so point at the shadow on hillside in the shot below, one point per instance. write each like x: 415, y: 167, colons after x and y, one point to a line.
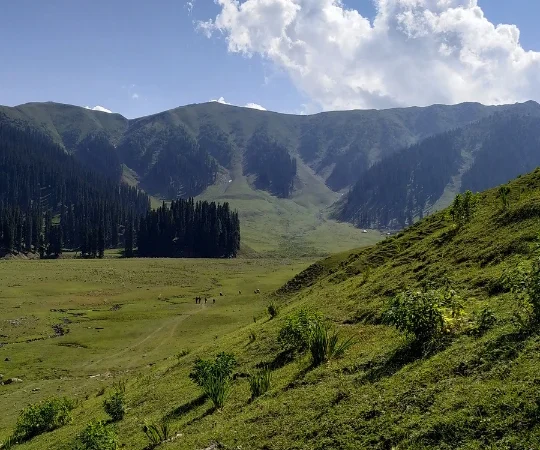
x: 281, y: 359
x: 186, y: 407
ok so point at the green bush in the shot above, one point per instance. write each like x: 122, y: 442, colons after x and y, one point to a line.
x: 325, y: 344
x: 214, y: 377
x: 417, y: 314
x: 524, y: 282
x: 41, y: 417
x: 114, y: 406
x: 259, y: 382
x: 97, y: 436
x: 297, y: 330
x: 157, y: 432
x: 272, y: 310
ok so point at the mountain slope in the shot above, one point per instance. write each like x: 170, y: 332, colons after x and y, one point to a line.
x: 281, y: 171
x: 425, y: 176
x: 477, y: 389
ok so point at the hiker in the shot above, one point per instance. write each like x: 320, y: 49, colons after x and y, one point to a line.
x: 205, y: 300
x: 214, y: 300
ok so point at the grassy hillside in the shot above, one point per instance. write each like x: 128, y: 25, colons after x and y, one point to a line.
x: 473, y: 390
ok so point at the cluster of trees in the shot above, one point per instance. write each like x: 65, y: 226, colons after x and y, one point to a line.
x: 49, y: 202
x: 271, y: 163
x: 188, y: 229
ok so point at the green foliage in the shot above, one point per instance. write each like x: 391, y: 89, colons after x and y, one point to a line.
x: 503, y: 193
x: 97, y: 436
x: 524, y: 282
x: 425, y: 315
x: 259, y: 382
x: 214, y: 377
x: 41, y: 417
x: 157, y: 433
x: 272, y: 310
x: 484, y: 321
x: 252, y: 337
x: 325, y: 344
x: 463, y: 208
x: 114, y: 406
x: 296, y: 333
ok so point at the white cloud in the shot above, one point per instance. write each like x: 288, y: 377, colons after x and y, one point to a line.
x: 247, y: 105
x: 99, y: 108
x: 255, y: 106
x: 414, y: 52
x: 134, y: 96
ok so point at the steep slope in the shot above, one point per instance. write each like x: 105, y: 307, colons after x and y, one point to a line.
x: 425, y: 176
x: 477, y: 389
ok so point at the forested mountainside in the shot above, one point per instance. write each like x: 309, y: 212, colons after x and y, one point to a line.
x: 49, y: 202
x: 181, y: 152
x: 398, y: 164
x: 414, y: 182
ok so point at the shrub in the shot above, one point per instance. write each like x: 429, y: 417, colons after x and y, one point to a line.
x: 114, y: 406
x: 484, y: 321
x: 424, y: 315
x: 296, y: 332
x: 525, y: 284
x: 41, y: 417
x: 157, y: 432
x: 214, y: 377
x: 272, y: 310
x: 325, y: 344
x: 97, y: 436
x: 259, y: 382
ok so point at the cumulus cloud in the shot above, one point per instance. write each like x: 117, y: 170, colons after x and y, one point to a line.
x: 99, y: 108
x: 247, y: 105
x: 135, y: 96
x: 414, y: 52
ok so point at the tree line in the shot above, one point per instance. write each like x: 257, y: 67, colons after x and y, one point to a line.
x: 49, y: 203
x: 187, y: 229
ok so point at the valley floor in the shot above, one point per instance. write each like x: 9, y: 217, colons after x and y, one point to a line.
x: 72, y: 327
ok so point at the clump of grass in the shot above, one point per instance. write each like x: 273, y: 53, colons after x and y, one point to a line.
x: 157, y: 433
x: 120, y: 386
x: 214, y: 377
x: 259, y: 382
x: 272, y: 310
x: 114, y: 406
x: 182, y: 353
x: 252, y: 337
x: 42, y: 417
x: 325, y: 344
x: 96, y: 436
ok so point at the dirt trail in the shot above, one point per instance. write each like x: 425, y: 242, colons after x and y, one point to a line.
x: 173, y: 323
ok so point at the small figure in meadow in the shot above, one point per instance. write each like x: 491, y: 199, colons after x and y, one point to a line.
x: 214, y: 300
x: 205, y: 300
x: 221, y: 294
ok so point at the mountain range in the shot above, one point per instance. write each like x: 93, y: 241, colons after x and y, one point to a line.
x: 299, y: 175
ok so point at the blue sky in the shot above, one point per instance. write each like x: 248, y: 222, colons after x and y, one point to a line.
x: 138, y: 57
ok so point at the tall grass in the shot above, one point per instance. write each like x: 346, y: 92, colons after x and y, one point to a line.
x: 259, y: 382
x: 325, y: 344
x: 157, y: 433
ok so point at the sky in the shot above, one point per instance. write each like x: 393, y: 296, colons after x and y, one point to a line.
x: 138, y: 57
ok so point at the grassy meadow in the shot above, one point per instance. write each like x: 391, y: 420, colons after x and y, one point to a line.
x: 71, y: 327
